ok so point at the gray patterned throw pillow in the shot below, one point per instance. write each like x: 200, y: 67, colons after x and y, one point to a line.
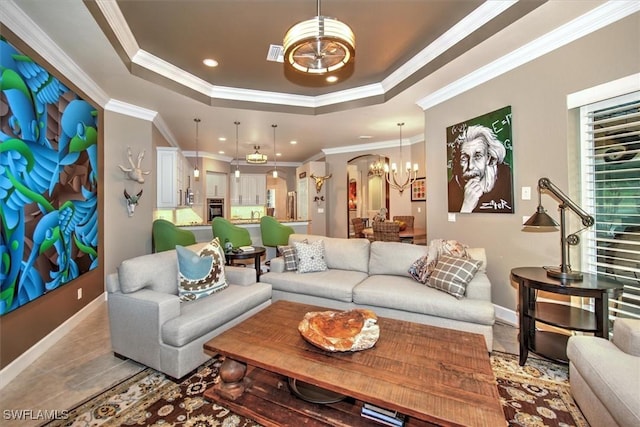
x: 310, y: 256
x: 289, y: 255
x: 452, y: 275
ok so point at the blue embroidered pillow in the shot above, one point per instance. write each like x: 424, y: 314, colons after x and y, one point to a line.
x: 199, y: 275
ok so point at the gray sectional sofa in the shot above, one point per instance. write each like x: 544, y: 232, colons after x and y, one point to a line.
x: 375, y: 275
x: 150, y: 325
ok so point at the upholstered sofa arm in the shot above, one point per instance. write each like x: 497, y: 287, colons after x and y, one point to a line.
x: 277, y: 265
x: 626, y: 335
x: 240, y: 275
x: 479, y: 287
x: 136, y: 320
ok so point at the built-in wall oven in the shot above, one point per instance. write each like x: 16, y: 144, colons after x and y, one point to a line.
x: 215, y: 207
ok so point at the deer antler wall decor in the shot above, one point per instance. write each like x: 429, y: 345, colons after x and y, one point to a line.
x: 320, y: 181
x: 135, y: 172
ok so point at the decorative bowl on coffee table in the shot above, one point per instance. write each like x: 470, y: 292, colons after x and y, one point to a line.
x: 352, y: 330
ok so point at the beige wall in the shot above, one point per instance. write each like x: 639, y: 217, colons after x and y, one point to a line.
x: 127, y: 237
x: 543, y: 139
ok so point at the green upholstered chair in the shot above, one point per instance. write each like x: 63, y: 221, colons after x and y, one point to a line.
x: 224, y: 229
x: 165, y: 236
x: 273, y: 233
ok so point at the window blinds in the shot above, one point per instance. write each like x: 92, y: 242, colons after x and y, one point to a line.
x: 611, y: 193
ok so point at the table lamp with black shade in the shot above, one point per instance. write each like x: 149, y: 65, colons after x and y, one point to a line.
x: 542, y: 221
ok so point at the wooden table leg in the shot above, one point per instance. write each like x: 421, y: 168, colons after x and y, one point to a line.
x: 523, y: 334
x: 257, y: 263
x: 602, y: 315
x: 233, y: 381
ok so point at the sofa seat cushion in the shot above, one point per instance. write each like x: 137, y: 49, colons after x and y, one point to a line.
x: 332, y: 283
x: 611, y: 374
x: 404, y: 293
x: 203, y: 315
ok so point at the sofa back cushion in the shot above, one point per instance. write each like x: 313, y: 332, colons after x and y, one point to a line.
x: 393, y: 258
x: 158, y: 272
x: 342, y: 254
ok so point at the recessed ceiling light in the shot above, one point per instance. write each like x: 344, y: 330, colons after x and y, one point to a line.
x: 278, y: 154
x: 210, y: 62
x: 332, y: 79
x: 293, y: 142
x: 222, y: 138
x: 365, y: 137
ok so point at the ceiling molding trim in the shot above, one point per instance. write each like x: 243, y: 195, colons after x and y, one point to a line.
x: 164, y: 130
x: 142, y: 58
x: 112, y: 13
x: 261, y: 96
x: 373, y: 145
x: 207, y: 155
x: 131, y: 110
x: 166, y: 69
x: 591, y: 21
x: 353, y: 94
x: 465, y: 27
x: 23, y: 26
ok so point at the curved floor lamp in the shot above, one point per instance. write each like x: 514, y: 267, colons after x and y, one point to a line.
x: 541, y: 220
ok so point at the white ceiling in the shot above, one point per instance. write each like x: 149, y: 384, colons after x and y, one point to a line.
x: 88, y: 53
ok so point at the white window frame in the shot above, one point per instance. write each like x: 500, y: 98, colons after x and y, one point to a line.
x: 589, y: 252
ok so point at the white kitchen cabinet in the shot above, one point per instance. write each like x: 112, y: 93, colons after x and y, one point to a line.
x: 249, y: 190
x: 216, y: 184
x: 171, y: 177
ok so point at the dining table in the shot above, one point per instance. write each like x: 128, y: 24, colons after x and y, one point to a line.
x: 408, y: 233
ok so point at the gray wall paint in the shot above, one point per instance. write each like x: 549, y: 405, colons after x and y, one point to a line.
x: 545, y: 141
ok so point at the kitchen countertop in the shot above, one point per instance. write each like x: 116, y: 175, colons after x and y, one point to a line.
x: 250, y: 222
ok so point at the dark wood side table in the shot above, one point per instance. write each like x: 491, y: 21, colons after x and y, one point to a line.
x: 256, y: 254
x: 549, y: 344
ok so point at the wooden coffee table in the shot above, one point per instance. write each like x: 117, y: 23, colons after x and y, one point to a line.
x: 433, y: 376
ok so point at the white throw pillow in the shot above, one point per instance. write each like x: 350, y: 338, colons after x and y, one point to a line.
x: 310, y: 256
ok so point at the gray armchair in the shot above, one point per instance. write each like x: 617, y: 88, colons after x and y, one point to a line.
x: 150, y: 325
x: 605, y: 375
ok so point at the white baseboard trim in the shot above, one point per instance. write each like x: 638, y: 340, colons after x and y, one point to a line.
x: 14, y: 368
x: 506, y: 315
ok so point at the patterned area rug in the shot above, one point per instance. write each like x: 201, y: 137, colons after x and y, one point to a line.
x: 534, y: 395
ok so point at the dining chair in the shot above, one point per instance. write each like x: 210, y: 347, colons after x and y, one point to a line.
x: 358, y: 227
x: 408, y: 220
x: 386, y: 231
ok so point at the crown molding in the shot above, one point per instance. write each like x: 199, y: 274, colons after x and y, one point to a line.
x: 131, y: 110
x: 115, y: 19
x: 591, y: 21
x: 467, y: 25
x: 23, y: 27
x: 374, y: 145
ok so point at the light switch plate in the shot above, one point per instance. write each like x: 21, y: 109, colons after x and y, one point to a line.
x: 526, y: 193
x: 320, y: 210
x: 451, y: 217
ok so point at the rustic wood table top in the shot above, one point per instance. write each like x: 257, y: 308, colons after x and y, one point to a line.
x: 437, y: 375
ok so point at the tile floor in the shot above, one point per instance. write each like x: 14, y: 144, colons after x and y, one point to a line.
x: 81, y: 365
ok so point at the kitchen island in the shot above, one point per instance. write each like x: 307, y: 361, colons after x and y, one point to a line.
x: 204, y: 233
